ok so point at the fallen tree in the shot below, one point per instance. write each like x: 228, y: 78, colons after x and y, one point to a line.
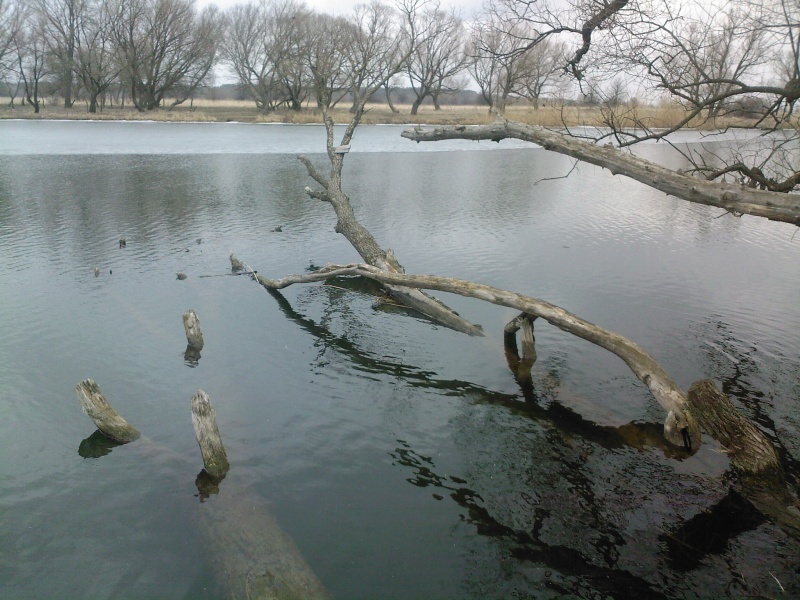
x: 758, y: 472
x: 680, y: 427
x: 736, y: 199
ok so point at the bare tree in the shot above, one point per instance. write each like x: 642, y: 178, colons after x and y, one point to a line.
x: 379, y: 47
x: 438, y: 56
x: 30, y: 51
x: 11, y: 17
x: 266, y: 44
x: 327, y: 58
x: 290, y: 46
x: 96, y: 61
x: 495, y: 63
x: 166, y: 47
x: 61, y: 21
x: 504, y: 64
x: 539, y: 68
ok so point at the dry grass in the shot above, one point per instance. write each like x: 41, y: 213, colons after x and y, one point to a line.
x: 244, y: 111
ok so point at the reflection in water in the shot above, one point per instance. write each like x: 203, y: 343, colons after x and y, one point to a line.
x: 207, y: 485
x: 525, y: 545
x: 191, y: 356
x: 97, y: 445
x: 566, y: 467
x: 710, y: 532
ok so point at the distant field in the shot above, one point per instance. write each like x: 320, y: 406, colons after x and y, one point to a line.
x: 245, y: 111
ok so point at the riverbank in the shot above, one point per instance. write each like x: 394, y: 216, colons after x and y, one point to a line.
x: 242, y: 111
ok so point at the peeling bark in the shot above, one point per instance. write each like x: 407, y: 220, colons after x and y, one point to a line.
x: 736, y: 199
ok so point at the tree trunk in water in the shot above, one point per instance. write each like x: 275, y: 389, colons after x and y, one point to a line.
x: 760, y: 476
x: 753, y: 457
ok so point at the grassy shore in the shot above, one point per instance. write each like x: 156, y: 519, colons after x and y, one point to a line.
x: 243, y: 111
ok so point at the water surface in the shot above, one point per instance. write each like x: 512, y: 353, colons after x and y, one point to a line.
x: 404, y: 459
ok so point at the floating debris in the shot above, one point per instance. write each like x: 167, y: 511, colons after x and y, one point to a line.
x: 123, y: 242
x: 181, y: 276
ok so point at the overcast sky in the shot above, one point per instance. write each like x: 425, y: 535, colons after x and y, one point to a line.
x: 467, y: 7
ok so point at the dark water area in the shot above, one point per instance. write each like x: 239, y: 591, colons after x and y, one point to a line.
x: 403, y: 459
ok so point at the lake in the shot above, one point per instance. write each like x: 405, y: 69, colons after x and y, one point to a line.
x: 403, y: 459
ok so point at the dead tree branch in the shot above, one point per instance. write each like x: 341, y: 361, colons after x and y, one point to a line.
x: 680, y: 427
x: 735, y: 199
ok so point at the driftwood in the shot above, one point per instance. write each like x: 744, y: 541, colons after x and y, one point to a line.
x: 680, y: 427
x: 106, y: 419
x: 204, y: 420
x: 736, y: 199
x: 255, y: 557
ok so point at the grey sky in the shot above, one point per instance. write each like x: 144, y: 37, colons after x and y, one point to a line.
x: 467, y: 7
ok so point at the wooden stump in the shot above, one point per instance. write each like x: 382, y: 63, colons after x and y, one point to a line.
x: 520, y: 366
x: 105, y: 418
x: 191, y: 325
x: 204, y: 420
x: 236, y: 264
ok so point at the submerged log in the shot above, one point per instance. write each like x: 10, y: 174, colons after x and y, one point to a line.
x: 680, y: 427
x: 204, y: 420
x: 753, y: 457
x: 191, y: 325
x: 254, y: 557
x: 104, y: 416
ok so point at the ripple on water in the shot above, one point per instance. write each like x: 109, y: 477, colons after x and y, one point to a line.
x: 360, y: 425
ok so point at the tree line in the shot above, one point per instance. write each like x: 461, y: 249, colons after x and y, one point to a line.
x: 284, y: 54
x: 738, y: 58
x: 281, y: 52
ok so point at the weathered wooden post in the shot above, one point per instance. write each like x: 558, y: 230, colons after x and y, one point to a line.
x: 204, y: 419
x: 254, y: 556
x: 105, y: 418
x: 520, y: 366
x: 191, y: 324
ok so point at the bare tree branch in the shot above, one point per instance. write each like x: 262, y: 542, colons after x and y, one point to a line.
x: 734, y: 198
